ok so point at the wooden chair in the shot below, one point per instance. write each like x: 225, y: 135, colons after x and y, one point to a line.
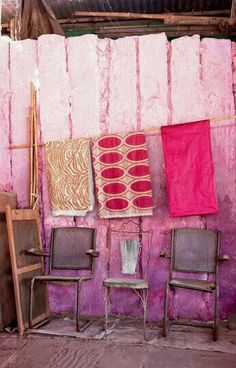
x: 194, y: 251
x: 24, y: 233
x: 129, y: 247
x: 72, y: 248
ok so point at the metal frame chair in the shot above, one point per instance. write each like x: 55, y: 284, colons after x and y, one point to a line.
x: 72, y: 248
x: 139, y: 285
x: 194, y: 251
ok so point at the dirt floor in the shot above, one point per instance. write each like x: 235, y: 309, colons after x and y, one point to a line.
x: 124, y: 347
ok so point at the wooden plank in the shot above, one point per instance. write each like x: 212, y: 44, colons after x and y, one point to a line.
x: 90, y: 18
x: 167, y: 18
x: 135, y: 24
x: 19, y: 215
x: 30, y: 268
x: 174, y: 19
x: 160, y: 28
x: 14, y: 268
x: 18, y: 146
x: 120, y: 15
x: 25, y: 267
x: 39, y: 319
x: 7, y: 301
x: 171, y: 31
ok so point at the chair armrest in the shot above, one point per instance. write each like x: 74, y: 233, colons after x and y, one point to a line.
x: 37, y: 252
x: 223, y: 258
x: 93, y: 252
x: 164, y: 255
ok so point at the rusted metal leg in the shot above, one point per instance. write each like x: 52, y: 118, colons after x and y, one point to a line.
x: 31, y: 303
x: 165, y: 319
x: 144, y: 300
x: 143, y: 295
x: 78, y: 306
x: 106, y: 300
x: 215, y: 327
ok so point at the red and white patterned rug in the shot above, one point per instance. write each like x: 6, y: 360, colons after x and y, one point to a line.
x: 122, y: 176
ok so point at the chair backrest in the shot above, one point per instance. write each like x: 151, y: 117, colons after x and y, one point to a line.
x: 195, y: 250
x: 129, y: 251
x: 69, y: 246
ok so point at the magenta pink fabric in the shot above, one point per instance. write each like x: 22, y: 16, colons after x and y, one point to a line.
x: 189, y: 169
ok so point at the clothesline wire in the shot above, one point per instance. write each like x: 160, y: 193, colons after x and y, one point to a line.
x: 146, y: 130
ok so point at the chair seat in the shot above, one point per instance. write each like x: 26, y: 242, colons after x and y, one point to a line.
x: 126, y: 283
x: 201, y: 285
x: 62, y: 278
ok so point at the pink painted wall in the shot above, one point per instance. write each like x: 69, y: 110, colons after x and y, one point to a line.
x: 90, y: 86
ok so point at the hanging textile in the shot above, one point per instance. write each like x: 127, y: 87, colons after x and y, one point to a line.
x: 122, y: 175
x: 70, y: 177
x: 189, y: 169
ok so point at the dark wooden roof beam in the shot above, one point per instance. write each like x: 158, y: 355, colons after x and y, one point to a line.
x: 165, y: 17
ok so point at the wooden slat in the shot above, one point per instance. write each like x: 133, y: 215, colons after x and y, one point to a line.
x: 30, y: 268
x: 14, y: 268
x: 167, y: 18
x: 19, y: 215
x: 39, y: 319
x: 7, y: 300
x: 17, y: 146
x: 131, y: 30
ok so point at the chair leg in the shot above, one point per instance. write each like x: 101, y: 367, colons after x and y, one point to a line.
x: 143, y: 295
x: 106, y: 297
x: 144, y: 300
x: 31, y: 303
x: 165, y: 320
x: 215, y: 327
x: 78, y: 306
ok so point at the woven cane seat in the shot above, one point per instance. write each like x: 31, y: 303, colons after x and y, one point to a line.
x: 126, y: 283
x: 200, y: 285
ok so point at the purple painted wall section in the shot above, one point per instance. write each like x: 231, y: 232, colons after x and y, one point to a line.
x: 89, y: 87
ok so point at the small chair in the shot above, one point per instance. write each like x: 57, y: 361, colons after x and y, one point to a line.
x: 128, y: 247
x: 194, y: 251
x: 72, y: 248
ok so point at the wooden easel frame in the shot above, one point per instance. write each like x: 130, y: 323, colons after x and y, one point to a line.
x: 38, y: 267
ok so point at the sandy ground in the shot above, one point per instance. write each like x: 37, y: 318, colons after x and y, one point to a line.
x: 123, y: 348
x: 50, y: 352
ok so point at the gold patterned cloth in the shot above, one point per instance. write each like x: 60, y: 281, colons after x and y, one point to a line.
x: 70, y: 177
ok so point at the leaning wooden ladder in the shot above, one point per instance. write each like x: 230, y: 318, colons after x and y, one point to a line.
x: 33, y: 151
